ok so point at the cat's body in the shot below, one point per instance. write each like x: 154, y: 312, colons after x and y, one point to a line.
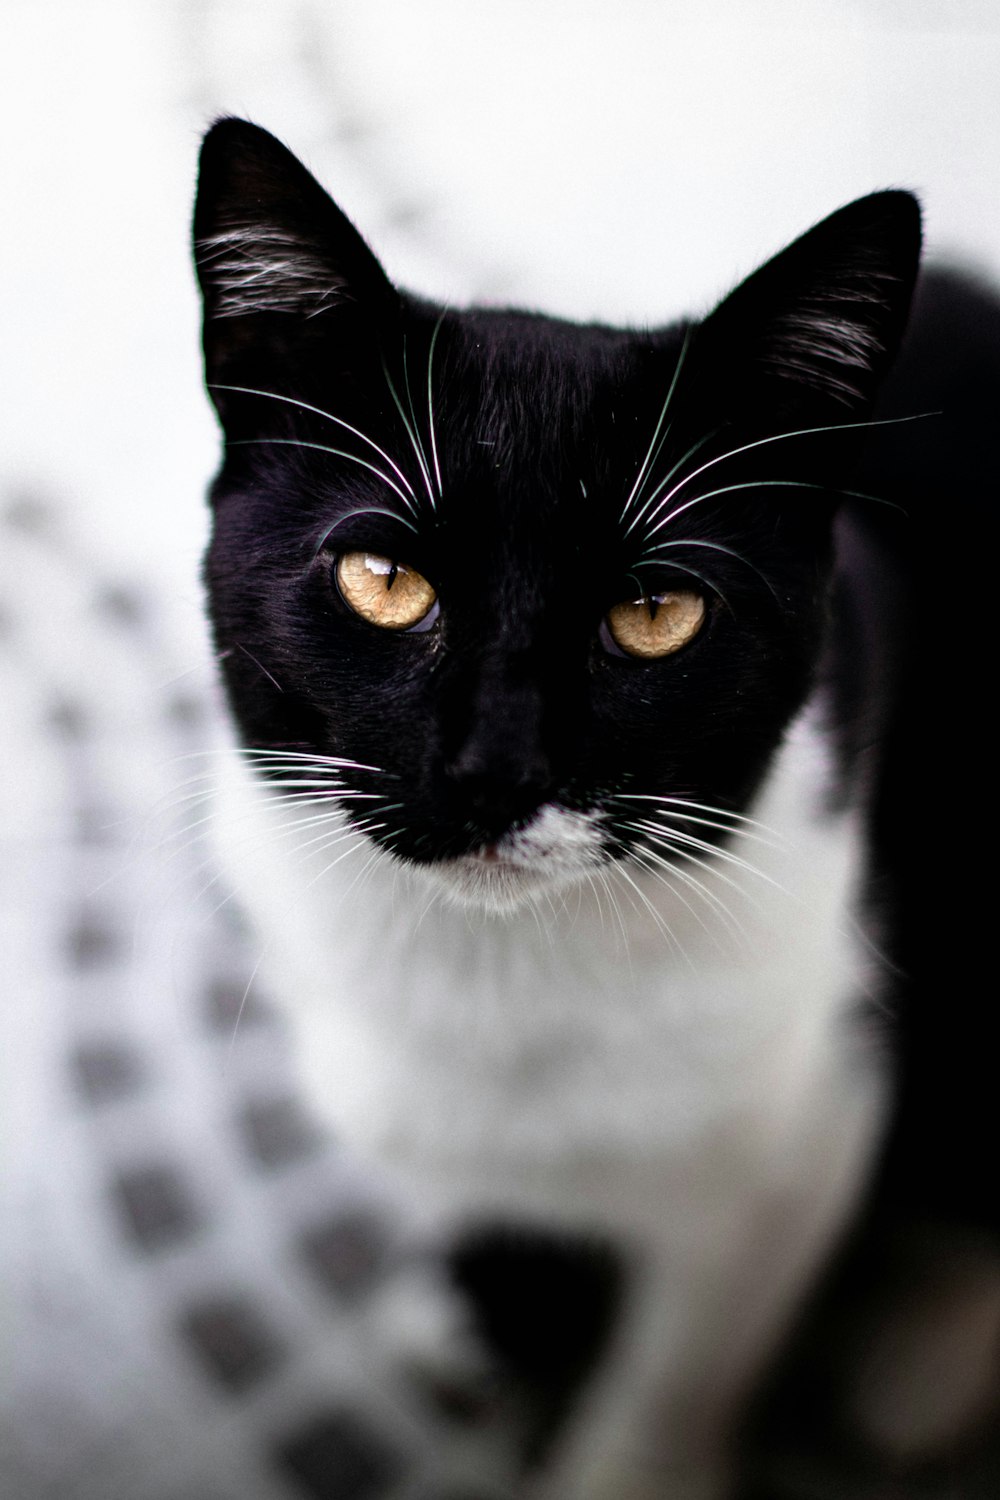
x: 580, y: 1075
x: 626, y: 967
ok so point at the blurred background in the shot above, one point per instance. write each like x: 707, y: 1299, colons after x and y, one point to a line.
x: 623, y: 161
x: 188, y: 1270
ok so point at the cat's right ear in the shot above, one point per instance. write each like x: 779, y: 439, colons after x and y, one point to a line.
x: 276, y: 259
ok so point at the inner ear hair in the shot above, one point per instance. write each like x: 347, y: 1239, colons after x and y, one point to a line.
x: 267, y: 268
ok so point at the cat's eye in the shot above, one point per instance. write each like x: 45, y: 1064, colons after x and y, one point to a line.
x: 386, y: 593
x: 655, y: 625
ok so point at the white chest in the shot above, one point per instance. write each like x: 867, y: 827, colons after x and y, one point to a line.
x: 559, y: 1058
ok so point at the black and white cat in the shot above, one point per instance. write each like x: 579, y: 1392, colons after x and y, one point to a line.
x: 581, y: 676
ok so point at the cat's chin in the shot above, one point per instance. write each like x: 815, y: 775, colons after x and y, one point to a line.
x: 549, y: 855
x: 494, y: 889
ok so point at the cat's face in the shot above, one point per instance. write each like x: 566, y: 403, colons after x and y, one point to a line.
x: 523, y: 597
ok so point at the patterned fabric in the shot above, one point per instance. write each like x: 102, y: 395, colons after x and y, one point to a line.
x: 209, y: 1300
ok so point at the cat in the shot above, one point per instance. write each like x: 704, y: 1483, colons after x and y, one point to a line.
x: 579, y: 675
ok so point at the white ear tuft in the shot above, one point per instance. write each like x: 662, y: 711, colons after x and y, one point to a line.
x: 819, y: 343
x: 261, y: 268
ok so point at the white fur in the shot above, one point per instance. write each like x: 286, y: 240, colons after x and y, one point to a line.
x: 262, y: 268
x: 550, y: 1053
x: 825, y: 348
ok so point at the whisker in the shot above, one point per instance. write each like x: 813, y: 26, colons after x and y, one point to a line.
x: 710, y: 583
x: 700, y: 443
x: 778, y: 437
x: 316, y: 757
x: 706, y: 807
x: 318, y: 411
x: 260, y: 666
x: 652, y: 456
x: 361, y: 510
x: 678, y: 836
x: 329, y: 839
x: 662, y: 870
x: 650, y: 561
x: 192, y: 827
x: 414, y: 440
x: 239, y: 1014
x: 726, y: 489
x: 685, y: 854
x: 742, y: 833
x: 715, y: 902
x: 662, y: 926
x: 335, y: 453
x: 422, y: 457
x: 430, y: 404
x: 604, y: 876
x: 361, y: 844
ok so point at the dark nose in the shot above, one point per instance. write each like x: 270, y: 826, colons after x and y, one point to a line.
x: 499, y: 787
x: 501, y: 771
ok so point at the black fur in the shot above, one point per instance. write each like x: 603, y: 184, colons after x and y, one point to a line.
x: 512, y: 699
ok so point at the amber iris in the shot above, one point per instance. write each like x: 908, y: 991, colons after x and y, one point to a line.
x: 384, y: 592
x: 657, y: 624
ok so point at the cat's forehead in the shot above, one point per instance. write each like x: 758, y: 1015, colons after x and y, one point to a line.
x: 510, y: 409
x: 520, y: 405
x: 539, y: 369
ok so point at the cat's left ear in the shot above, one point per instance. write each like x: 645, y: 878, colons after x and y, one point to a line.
x: 815, y: 329
x: 276, y: 259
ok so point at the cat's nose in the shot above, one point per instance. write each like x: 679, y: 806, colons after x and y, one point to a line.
x: 493, y: 780
x: 501, y: 772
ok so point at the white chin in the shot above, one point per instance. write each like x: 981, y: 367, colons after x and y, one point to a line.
x: 550, y: 855
x: 498, y: 888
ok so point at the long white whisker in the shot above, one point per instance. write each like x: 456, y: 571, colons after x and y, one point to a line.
x: 603, y: 877
x: 650, y: 561
x: 239, y: 1013
x: 656, y: 866
x: 361, y: 844
x: 304, y: 799
x: 662, y: 926
x: 710, y: 898
x: 318, y: 411
x: 414, y: 440
x: 316, y: 758
x: 677, y: 836
x: 277, y: 753
x: 678, y: 852
x: 329, y: 838
x: 361, y: 510
x: 706, y: 807
x: 726, y: 489
x: 430, y: 404
x: 778, y: 437
x: 741, y: 833
x: 422, y: 457
x: 710, y: 584
x: 651, y: 456
x: 335, y: 453
x: 661, y: 484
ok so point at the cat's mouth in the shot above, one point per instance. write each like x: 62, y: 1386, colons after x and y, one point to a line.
x: 555, y: 849
x: 489, y: 854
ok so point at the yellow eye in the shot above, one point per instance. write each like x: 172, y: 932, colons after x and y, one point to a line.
x: 385, y: 593
x: 657, y: 624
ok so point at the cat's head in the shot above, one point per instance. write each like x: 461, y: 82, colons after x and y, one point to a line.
x: 522, y: 597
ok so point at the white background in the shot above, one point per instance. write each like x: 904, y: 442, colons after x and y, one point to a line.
x: 625, y: 160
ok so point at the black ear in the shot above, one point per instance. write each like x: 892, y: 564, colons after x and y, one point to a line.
x: 816, y: 328
x: 276, y: 258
